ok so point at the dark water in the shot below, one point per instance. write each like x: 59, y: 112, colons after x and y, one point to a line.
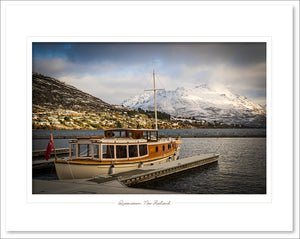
x: 241, y: 168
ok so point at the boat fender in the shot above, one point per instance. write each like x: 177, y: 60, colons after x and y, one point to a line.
x: 111, y: 169
x: 141, y: 165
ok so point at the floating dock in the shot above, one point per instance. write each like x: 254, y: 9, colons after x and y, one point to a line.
x: 84, y: 186
x: 166, y: 169
x: 36, y: 153
x: 42, y: 164
x: 120, y: 183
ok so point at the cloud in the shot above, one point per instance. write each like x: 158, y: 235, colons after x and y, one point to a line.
x: 52, y: 66
x: 115, y: 71
x: 112, y: 89
x: 251, y: 76
x: 249, y: 81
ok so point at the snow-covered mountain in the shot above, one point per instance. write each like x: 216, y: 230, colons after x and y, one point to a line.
x: 203, y: 102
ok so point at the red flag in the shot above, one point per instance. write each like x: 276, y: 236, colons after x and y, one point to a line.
x: 49, y: 147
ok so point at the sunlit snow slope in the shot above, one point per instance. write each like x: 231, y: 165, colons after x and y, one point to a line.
x: 205, y: 103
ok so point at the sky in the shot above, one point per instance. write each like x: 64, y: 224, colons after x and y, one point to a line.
x: 114, y: 72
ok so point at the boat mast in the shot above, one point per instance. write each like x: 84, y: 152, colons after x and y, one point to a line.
x: 155, y: 108
x: 154, y: 90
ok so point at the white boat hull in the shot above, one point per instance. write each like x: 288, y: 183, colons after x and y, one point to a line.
x: 77, y: 171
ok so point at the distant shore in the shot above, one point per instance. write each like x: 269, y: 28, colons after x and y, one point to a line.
x: 214, y: 136
x: 166, y: 136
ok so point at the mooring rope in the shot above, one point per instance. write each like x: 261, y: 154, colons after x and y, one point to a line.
x: 70, y: 169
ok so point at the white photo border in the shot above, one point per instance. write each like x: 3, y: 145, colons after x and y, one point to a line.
x: 35, y: 206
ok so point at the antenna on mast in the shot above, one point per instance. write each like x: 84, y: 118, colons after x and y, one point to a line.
x: 154, y: 90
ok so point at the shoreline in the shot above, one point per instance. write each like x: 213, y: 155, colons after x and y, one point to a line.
x: 153, y: 128
x: 168, y: 136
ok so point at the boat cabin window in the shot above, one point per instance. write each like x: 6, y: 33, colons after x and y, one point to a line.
x: 108, y: 151
x: 96, y: 151
x: 156, y: 148
x: 133, y: 151
x: 119, y: 133
x: 145, y: 135
x: 143, y: 149
x: 130, y: 134
x: 73, y: 151
x: 84, y: 150
x: 153, y: 135
x: 121, y: 151
x: 163, y: 148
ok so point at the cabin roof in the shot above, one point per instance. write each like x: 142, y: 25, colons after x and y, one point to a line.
x: 123, y: 140
x: 108, y: 140
x: 116, y: 140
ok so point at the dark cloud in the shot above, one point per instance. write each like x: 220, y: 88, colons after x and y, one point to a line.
x: 195, y: 53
